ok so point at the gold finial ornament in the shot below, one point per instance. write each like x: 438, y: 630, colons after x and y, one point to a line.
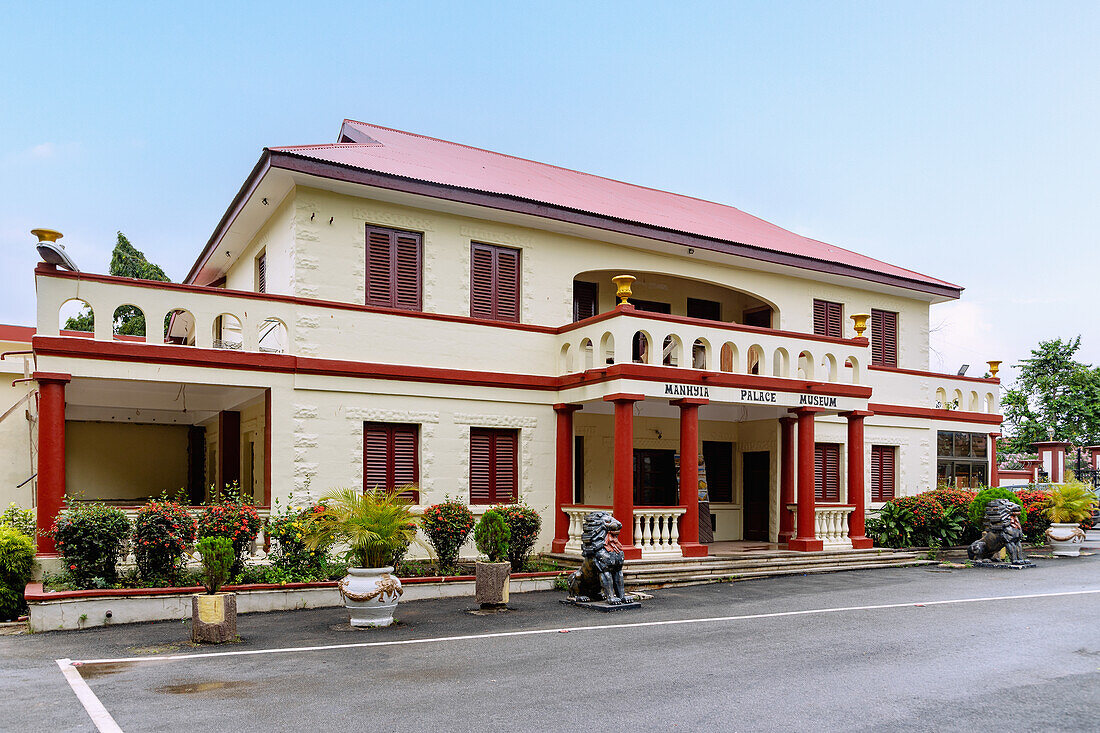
x: 47, y: 235
x: 622, y: 282
x: 859, y: 321
x: 994, y: 367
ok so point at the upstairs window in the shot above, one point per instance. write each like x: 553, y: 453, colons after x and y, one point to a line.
x: 707, y: 309
x: 494, y: 466
x: 393, y: 268
x: 585, y: 299
x: 883, y: 471
x: 826, y: 472
x: 827, y: 318
x: 494, y: 282
x: 391, y: 457
x: 884, y: 338
x: 261, y: 272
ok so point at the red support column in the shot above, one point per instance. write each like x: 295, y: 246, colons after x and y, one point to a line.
x: 786, y: 478
x: 623, y: 482
x: 563, y: 478
x: 51, y: 453
x: 806, y: 534
x: 994, y: 479
x: 857, y: 495
x: 689, y: 476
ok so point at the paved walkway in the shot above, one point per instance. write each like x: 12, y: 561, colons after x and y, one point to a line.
x: 919, y: 648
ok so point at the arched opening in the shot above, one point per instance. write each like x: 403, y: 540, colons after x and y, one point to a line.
x: 272, y: 336
x: 641, y: 347
x: 700, y: 354
x: 990, y: 402
x: 128, y: 320
x: 565, y: 360
x: 829, y: 367
x: 227, y: 332
x: 753, y: 359
x: 607, y: 348
x: 672, y: 351
x: 179, y: 327
x: 781, y: 363
x: 853, y: 363
x: 586, y: 353
x: 941, y: 398
x: 728, y: 357
x: 975, y: 402
x: 806, y: 365
x: 957, y: 400
x: 76, y: 315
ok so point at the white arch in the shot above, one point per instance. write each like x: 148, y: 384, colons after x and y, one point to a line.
x: 701, y: 354
x: 728, y: 357
x: 565, y: 360
x: 957, y: 398
x: 853, y: 363
x: 587, y: 355
x: 990, y: 402
x: 607, y: 348
x: 975, y: 402
x: 116, y: 316
x: 273, y: 336
x: 643, y: 347
x: 754, y: 359
x: 227, y: 333
x: 72, y: 308
x: 941, y: 398
x: 672, y: 351
x: 806, y: 365
x: 180, y: 327
x: 781, y: 363
x: 829, y: 363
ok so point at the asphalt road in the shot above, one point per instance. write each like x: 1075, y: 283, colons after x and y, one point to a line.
x: 842, y: 662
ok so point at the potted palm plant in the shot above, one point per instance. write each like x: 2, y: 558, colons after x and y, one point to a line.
x: 376, y: 526
x: 1070, y: 504
x: 491, y: 578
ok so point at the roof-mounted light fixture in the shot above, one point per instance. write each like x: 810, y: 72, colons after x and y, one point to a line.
x: 51, y: 251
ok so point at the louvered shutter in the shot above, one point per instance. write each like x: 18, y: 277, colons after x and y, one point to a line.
x: 376, y: 441
x: 406, y: 276
x: 391, y: 457
x: 882, y: 472
x: 827, y: 472
x: 481, y: 459
x: 585, y: 299
x: 819, y: 472
x: 481, y: 281
x: 507, y: 285
x: 505, y: 488
x: 494, y: 282
x: 379, y: 267
x: 884, y: 338
x: 827, y: 318
x: 261, y: 273
x: 393, y: 268
x: 404, y: 460
x: 494, y: 476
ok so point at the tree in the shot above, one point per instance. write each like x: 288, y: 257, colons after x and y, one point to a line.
x: 1055, y: 390
x: 126, y: 261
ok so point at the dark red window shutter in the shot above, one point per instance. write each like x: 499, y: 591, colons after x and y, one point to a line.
x: 261, y: 273
x: 884, y: 338
x: 494, y: 458
x: 827, y: 472
x: 585, y: 299
x: 882, y: 472
x: 393, y: 268
x: 391, y: 457
x: 494, y: 282
x: 827, y: 318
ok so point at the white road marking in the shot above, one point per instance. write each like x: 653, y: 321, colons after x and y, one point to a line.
x: 103, y: 721
x: 598, y: 627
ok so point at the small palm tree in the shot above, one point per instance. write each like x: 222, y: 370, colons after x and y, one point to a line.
x: 375, y: 525
x: 1071, y: 503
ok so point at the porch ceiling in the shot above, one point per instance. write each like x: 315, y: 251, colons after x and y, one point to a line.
x: 119, y: 400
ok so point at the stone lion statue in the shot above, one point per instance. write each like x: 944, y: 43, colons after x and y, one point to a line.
x: 601, y: 573
x: 1001, y: 530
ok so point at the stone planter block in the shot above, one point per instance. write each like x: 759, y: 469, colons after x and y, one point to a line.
x: 492, y: 580
x: 213, y: 618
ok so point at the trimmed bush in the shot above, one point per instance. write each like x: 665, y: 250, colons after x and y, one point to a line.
x: 447, y: 527
x: 91, y: 538
x: 218, y: 556
x: 492, y: 535
x: 977, y: 506
x: 231, y: 518
x: 524, y: 523
x: 163, y: 532
x: 19, y: 518
x: 16, y: 567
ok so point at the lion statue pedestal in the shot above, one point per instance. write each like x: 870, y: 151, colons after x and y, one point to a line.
x: 598, y: 583
x: 1001, y: 531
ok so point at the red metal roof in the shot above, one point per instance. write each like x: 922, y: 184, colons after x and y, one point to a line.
x: 394, y: 152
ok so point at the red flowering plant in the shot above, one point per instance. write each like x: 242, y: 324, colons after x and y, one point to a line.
x: 524, y: 523
x: 227, y: 515
x: 289, y: 528
x: 447, y: 527
x: 91, y: 538
x: 956, y: 502
x: 163, y: 532
x: 1035, y: 505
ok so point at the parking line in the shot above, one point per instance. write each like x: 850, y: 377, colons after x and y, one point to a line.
x: 103, y: 721
x: 595, y: 627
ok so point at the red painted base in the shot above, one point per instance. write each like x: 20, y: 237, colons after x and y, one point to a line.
x: 800, y: 544
x: 862, y: 543
x: 632, y: 553
x: 693, y: 549
x: 558, y: 545
x: 785, y: 537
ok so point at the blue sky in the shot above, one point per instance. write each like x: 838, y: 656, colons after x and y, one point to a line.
x: 959, y: 140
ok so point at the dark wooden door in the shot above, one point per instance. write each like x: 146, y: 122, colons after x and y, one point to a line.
x: 655, y: 477
x: 755, y: 492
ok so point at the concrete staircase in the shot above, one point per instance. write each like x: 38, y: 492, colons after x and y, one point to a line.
x: 645, y: 574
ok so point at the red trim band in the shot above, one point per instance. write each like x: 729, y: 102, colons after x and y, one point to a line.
x: 935, y: 414
x: 919, y: 373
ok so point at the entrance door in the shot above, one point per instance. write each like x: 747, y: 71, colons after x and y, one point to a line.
x: 655, y: 478
x: 755, y: 491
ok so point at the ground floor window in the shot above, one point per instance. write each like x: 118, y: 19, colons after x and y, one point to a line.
x: 883, y: 471
x: 962, y: 459
x: 718, y: 459
x: 494, y: 470
x: 391, y: 457
x: 827, y: 472
x: 655, y: 477
x: 578, y: 469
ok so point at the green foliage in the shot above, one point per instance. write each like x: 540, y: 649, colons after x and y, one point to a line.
x: 16, y: 567
x: 289, y: 528
x: 1071, y: 502
x: 524, y: 523
x: 163, y: 532
x: 91, y: 538
x: 217, y: 556
x: 1035, y: 504
x: 126, y: 261
x: 375, y: 525
x: 891, y: 525
x: 491, y: 536
x: 19, y: 518
x: 976, y: 513
x: 229, y: 516
x: 322, y: 570
x: 1053, y: 390
x: 447, y: 527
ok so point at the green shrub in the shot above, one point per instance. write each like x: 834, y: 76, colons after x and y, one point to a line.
x: 1071, y: 502
x: 217, y: 556
x: 524, y: 523
x: 891, y: 525
x: 16, y: 566
x: 977, y: 507
x: 447, y: 527
x: 375, y: 525
x: 163, y: 533
x: 1035, y: 503
x: 491, y: 536
x: 289, y: 530
x: 230, y: 517
x: 91, y: 538
x: 19, y: 518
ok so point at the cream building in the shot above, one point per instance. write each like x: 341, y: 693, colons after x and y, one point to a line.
x: 393, y: 309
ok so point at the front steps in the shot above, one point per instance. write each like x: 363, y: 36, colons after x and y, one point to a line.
x: 648, y: 574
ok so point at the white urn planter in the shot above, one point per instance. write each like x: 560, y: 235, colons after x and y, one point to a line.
x: 371, y: 595
x: 1065, y: 539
